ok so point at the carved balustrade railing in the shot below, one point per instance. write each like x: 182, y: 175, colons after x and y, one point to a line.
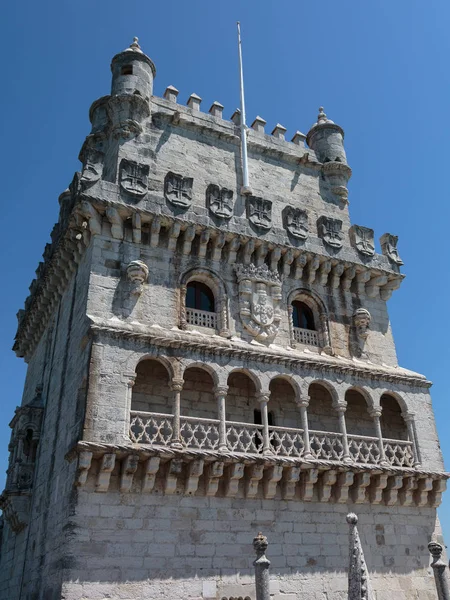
x: 201, y: 318
x: 306, y: 336
x: 156, y: 429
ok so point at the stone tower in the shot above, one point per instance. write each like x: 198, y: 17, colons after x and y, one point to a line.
x: 203, y: 365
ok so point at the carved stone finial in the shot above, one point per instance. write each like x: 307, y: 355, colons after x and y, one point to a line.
x: 439, y: 567
x: 261, y: 564
x: 137, y: 273
x: 322, y: 117
x: 352, y: 519
x: 435, y: 549
x: 260, y: 544
x: 135, y: 44
x: 359, y: 587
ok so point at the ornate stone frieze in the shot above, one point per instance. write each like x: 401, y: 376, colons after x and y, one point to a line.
x: 133, y: 178
x: 219, y: 201
x: 362, y: 238
x: 295, y: 221
x: 259, y: 212
x: 389, y: 248
x: 178, y: 190
x: 259, y: 300
x: 329, y: 230
x: 168, y: 470
x: 92, y: 167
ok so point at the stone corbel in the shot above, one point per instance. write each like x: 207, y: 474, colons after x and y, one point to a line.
x: 391, y: 286
x: 203, y: 243
x: 136, y: 223
x: 299, y: 265
x: 129, y: 468
x: 253, y: 477
x: 174, y: 234
x: 395, y: 483
x: 324, y: 271
x: 93, y: 217
x: 233, y: 248
x: 290, y: 480
x: 345, y: 480
x: 155, y: 231
x: 213, y: 475
x: 308, y: 481
x: 374, y: 285
x: 275, y: 257
x: 313, y: 265
x: 349, y: 275
x: 408, y: 490
x: 362, y: 277
x: 379, y: 483
x: 327, y: 480
x: 336, y: 274
x: 271, y: 479
x: 261, y: 253
x: 248, y: 250
x: 288, y: 259
x: 424, y: 486
x: 104, y: 473
x: 174, y: 470
x: 84, y: 464
x: 217, y: 246
x: 361, y: 483
x: 150, y: 471
x: 113, y: 216
x: 235, y: 474
x: 194, y: 471
x: 188, y: 237
x: 439, y: 487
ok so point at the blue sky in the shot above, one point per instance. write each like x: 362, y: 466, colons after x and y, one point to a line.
x: 380, y: 69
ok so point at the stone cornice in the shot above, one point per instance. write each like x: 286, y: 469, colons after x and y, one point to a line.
x: 220, y: 347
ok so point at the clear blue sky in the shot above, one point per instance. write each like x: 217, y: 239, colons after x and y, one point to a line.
x: 380, y: 69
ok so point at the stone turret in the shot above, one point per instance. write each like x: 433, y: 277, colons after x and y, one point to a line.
x: 132, y: 72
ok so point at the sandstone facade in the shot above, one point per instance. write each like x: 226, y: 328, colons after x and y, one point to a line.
x: 204, y: 364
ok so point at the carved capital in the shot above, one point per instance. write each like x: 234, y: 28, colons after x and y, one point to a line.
x: 176, y: 385
x: 263, y: 397
x: 376, y: 412
x: 220, y: 390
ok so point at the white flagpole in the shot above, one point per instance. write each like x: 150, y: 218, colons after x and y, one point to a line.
x: 246, y: 186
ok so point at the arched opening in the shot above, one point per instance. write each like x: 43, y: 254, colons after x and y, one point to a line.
x: 308, y: 320
x: 242, y: 407
x: 357, y: 417
x: 283, y: 405
x: 302, y: 316
x: 199, y: 427
x: 151, y: 391
x: 324, y: 436
x: 200, y: 305
x: 393, y: 425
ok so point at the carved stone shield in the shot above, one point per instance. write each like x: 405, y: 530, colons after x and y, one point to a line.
x: 330, y: 231
x: 92, y: 167
x: 133, y: 178
x: 178, y: 190
x: 296, y: 222
x: 259, y: 300
x: 219, y: 201
x: 389, y: 248
x: 259, y: 212
x: 362, y: 239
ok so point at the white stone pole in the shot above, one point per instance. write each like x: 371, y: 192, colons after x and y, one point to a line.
x: 304, y: 403
x: 340, y: 409
x: 176, y: 385
x: 261, y: 565
x: 221, y: 395
x: 376, y: 414
x: 263, y: 399
x: 410, y: 424
x: 438, y: 566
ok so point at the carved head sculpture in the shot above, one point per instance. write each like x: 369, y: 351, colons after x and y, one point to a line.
x: 92, y: 167
x: 137, y: 274
x: 361, y: 321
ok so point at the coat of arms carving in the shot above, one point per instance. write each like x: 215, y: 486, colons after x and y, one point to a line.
x: 362, y: 239
x: 389, y: 248
x: 259, y: 300
x: 330, y: 231
x: 92, y: 167
x: 259, y: 212
x: 133, y: 178
x: 178, y: 190
x: 219, y: 201
x: 296, y: 222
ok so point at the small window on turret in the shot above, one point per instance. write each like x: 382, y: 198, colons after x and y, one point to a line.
x: 127, y: 70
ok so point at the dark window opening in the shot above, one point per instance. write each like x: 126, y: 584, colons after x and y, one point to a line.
x: 302, y: 316
x: 127, y: 70
x: 199, y: 296
x: 257, y: 417
x: 28, y: 444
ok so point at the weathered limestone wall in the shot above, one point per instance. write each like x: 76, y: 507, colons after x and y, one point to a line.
x: 144, y: 546
x: 60, y: 366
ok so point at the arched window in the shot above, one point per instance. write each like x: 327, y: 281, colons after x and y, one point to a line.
x: 302, y: 316
x: 200, y: 305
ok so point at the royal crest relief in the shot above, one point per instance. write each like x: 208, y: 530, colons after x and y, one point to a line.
x: 259, y: 212
x: 219, y: 201
x: 295, y: 221
x: 92, y: 167
x: 259, y: 300
x: 389, y: 248
x: 362, y: 239
x: 330, y: 231
x: 178, y: 190
x: 133, y: 178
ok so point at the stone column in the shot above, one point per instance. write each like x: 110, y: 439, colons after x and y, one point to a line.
x: 375, y: 413
x: 291, y: 326
x: 438, y: 566
x: 261, y: 565
x: 130, y: 379
x: 176, y: 385
x: 410, y: 424
x: 183, y: 321
x: 340, y: 408
x: 325, y: 333
x: 221, y: 395
x: 304, y: 403
x: 263, y: 399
